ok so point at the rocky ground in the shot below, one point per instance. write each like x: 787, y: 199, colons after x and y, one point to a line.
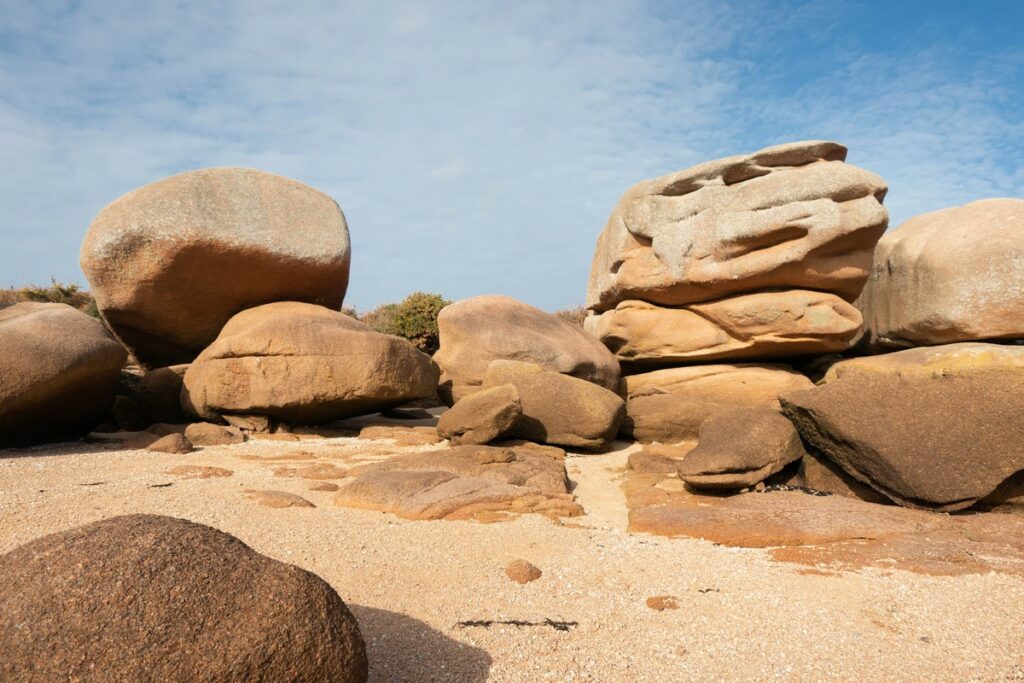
x: 434, y: 603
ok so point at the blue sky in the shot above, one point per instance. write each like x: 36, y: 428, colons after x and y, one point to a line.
x: 479, y: 147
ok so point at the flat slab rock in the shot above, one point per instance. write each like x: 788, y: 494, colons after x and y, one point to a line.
x: 464, y: 482
x: 829, y: 530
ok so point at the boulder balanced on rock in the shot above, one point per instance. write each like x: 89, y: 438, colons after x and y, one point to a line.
x: 171, y: 262
x: 948, y: 276
x: 59, y: 372
x: 304, y: 364
x: 143, y: 597
x: 476, y: 331
x: 745, y: 257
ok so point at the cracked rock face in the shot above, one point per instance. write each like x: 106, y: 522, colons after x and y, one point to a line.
x: 171, y: 262
x: 949, y: 276
x: 743, y: 257
x: 304, y: 364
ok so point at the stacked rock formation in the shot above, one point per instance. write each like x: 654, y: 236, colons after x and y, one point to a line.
x: 937, y: 425
x: 752, y: 258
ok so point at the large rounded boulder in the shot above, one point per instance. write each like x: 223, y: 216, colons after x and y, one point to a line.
x: 171, y: 262
x: 144, y: 597
x: 949, y: 276
x: 60, y: 371
x: 304, y: 364
x: 482, y: 329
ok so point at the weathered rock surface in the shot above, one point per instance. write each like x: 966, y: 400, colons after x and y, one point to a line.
x: 948, y: 276
x: 171, y: 262
x: 925, y: 440
x: 481, y: 417
x: 740, y: 448
x: 464, y: 482
x: 667, y: 418
x: 59, y: 372
x: 559, y: 409
x: 476, y: 331
x: 143, y: 597
x: 793, y: 216
x: 748, y: 326
x: 736, y: 385
x: 948, y: 360
x: 305, y: 364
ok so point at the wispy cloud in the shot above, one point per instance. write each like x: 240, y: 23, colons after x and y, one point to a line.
x: 474, y: 147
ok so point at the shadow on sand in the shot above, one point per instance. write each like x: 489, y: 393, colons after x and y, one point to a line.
x: 401, y: 648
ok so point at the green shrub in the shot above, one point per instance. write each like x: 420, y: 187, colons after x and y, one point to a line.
x: 415, y: 318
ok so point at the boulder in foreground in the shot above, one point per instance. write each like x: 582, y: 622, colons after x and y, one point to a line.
x: 304, y: 364
x: 171, y: 262
x: 482, y: 329
x: 144, y: 597
x: 59, y: 373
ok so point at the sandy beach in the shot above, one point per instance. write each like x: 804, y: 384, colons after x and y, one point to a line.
x: 434, y: 604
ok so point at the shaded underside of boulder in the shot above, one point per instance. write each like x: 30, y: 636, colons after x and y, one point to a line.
x: 59, y: 373
x: 144, y: 597
x: 476, y: 331
x: 171, y: 262
x: 463, y: 482
x: 304, y: 364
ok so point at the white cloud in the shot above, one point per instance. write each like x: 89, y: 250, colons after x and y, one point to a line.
x: 475, y: 147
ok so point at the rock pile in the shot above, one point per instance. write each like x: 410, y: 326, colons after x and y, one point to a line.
x: 746, y: 257
x: 753, y: 258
